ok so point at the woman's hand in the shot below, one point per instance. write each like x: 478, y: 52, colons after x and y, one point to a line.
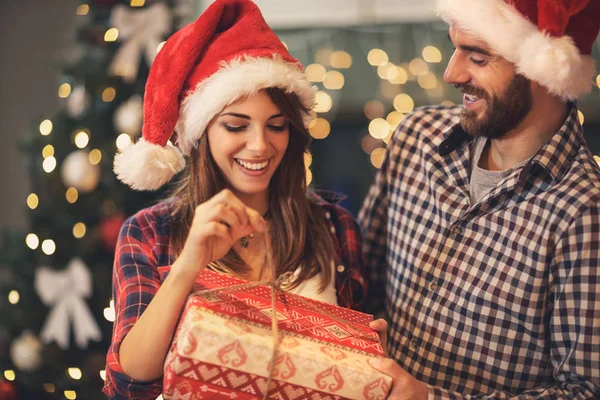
x: 217, y: 225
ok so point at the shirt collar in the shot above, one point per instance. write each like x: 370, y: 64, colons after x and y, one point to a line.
x: 326, y: 197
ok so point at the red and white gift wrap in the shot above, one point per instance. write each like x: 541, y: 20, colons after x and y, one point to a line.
x: 224, y: 344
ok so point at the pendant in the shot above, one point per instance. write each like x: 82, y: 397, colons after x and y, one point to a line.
x: 244, y: 240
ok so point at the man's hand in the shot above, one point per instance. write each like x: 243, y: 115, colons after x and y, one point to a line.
x: 404, y: 386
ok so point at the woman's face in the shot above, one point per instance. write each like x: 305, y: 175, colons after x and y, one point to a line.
x: 247, y: 140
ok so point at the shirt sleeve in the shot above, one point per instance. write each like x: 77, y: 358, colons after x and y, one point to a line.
x: 574, y: 317
x: 135, y: 282
x: 372, y: 219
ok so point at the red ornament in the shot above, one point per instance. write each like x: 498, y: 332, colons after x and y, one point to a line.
x: 8, y: 391
x: 109, y: 230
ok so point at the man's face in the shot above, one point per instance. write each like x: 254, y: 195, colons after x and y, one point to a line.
x: 496, y: 100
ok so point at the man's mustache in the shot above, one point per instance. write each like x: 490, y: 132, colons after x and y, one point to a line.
x: 471, y: 90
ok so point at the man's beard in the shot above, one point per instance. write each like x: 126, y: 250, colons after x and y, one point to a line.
x: 502, y: 114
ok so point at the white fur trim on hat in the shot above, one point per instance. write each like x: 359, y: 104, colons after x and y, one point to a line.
x: 554, y: 62
x: 148, y: 166
x: 238, y: 78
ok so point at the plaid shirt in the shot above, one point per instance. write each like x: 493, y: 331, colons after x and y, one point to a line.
x: 496, y: 299
x: 143, y: 259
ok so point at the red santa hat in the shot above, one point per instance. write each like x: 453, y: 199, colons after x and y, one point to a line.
x: 229, y: 52
x: 549, y: 41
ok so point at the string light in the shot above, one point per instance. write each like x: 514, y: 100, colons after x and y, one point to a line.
x: 323, y: 102
x: 581, y: 117
x: 334, y: 80
x: 320, y: 129
x: 49, y: 387
x: 111, y: 35
x: 48, y: 151
x: 70, y: 394
x: 307, y: 159
x: 74, y: 373
x: 103, y: 374
x: 374, y: 109
x: 82, y: 138
x: 83, y: 9
x: 108, y: 94
x: 597, y: 159
x: 598, y: 80
x: 9, y: 374
x: 79, y: 230
x: 323, y: 56
x: 340, y: 59
x: 46, y: 127
x: 49, y: 164
x: 379, y: 128
x: 418, y: 67
x: 109, y: 312
x: 315, y: 73
x: 387, y: 139
x: 369, y: 143
x: 403, y: 103
x: 137, y: 3
x: 309, y: 177
x: 432, y: 54
x: 401, y: 76
x: 13, y: 297
x: 32, y: 241
x: 72, y: 195
x: 48, y: 247
x: 377, y: 57
x: 427, y: 80
x: 33, y: 201
x: 377, y: 157
x: 394, y: 118
x: 389, y: 90
x: 95, y: 156
x: 64, y: 90
x: 123, y: 141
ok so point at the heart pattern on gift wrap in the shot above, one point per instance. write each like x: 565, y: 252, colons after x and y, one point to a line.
x: 334, y: 354
x: 293, y: 393
x: 236, y: 380
x: 284, y: 367
x: 207, y: 373
x: 330, y: 380
x: 188, y: 343
x: 376, y: 390
x: 233, y: 354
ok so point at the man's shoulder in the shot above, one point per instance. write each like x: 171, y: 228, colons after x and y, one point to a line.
x: 430, y: 120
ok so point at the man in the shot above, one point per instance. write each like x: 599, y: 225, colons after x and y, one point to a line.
x: 483, y: 225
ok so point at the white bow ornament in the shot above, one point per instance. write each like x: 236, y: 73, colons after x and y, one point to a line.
x: 65, y: 291
x: 139, y: 30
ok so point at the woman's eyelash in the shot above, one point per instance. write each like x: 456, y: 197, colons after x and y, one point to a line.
x: 278, y: 128
x: 234, y: 128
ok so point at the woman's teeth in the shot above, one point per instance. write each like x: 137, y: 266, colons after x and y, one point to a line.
x: 252, y: 166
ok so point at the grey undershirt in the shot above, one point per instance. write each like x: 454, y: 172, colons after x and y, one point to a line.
x: 482, y: 180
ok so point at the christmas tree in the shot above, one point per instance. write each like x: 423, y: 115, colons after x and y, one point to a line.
x: 55, y: 278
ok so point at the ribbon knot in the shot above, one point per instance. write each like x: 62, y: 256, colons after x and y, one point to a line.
x: 140, y: 31
x: 64, y: 292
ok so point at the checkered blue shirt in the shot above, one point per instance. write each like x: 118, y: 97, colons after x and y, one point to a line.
x: 497, y: 299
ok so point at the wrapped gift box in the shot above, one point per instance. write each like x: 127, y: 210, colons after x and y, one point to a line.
x: 224, y: 344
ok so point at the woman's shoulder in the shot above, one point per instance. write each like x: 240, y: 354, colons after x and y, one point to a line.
x: 153, y: 216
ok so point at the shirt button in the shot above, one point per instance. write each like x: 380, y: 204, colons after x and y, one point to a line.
x: 340, y: 268
x: 456, y: 230
x: 414, y: 343
x: 433, y: 286
x: 332, y: 229
x: 328, y: 215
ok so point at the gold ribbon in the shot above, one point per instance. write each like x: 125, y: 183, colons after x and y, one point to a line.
x: 276, y: 288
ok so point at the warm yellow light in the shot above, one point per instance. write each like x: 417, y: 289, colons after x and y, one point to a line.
x: 379, y: 128
x: 13, y: 297
x: 33, y: 201
x: 284, y: 45
x: 387, y: 71
x: 82, y: 138
x: 109, y: 314
x: 401, y: 76
x: 49, y: 164
x: 70, y: 394
x: 404, y: 103
x: 393, y: 119
x: 597, y: 159
x: 111, y: 35
x: 9, y: 374
x: 369, y: 143
x: 32, y: 241
x: 377, y: 57
x: 321, y: 129
x: 83, y: 9
x: 137, y: 3
x: 581, y: 117
x: 309, y: 176
x: 160, y: 46
x: 48, y: 151
x: 432, y: 54
x: 389, y: 90
x: 49, y: 387
x: 437, y: 92
x: 123, y: 141
x: 418, y: 67
x: 74, y: 373
x: 72, y: 195
x: 315, y: 72
x: 103, y: 375
x: 598, y: 80
x: 377, y: 157
x: 322, y: 56
x: 448, y: 103
x: 374, y: 109
x: 307, y: 159
x: 46, y: 127
x: 95, y: 156
x: 108, y: 94
x: 340, y: 59
x: 48, y: 247
x: 334, y: 80
x: 323, y: 102
x: 387, y: 139
x: 79, y: 230
x: 428, y: 80
x: 64, y: 90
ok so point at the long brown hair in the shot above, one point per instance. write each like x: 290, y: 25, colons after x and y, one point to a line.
x: 299, y: 236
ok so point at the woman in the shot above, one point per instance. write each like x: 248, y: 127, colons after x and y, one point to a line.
x: 239, y: 104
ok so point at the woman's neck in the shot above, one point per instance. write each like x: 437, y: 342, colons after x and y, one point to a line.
x: 256, y: 201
